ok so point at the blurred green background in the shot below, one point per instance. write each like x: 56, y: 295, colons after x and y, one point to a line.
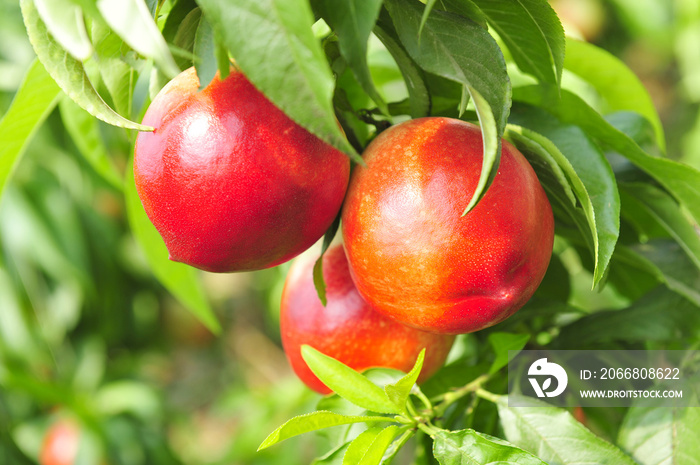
x: 87, y: 333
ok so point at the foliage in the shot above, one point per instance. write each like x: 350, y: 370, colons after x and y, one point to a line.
x: 87, y: 332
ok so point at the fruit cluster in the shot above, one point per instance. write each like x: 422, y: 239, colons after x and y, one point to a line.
x: 232, y: 184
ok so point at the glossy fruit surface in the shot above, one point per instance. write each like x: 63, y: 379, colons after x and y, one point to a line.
x: 348, y: 329
x: 60, y: 445
x: 230, y: 182
x: 412, y: 254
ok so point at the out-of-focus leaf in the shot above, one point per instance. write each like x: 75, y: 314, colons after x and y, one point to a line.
x: 419, y: 98
x: 273, y: 38
x: 68, y: 72
x: 319, y: 282
x: 314, y: 421
x: 181, y: 280
x: 553, y: 435
x: 64, y: 20
x: 458, y: 49
x: 532, y: 32
x: 205, y: 50
x: 661, y: 315
x: 665, y: 260
x: 132, y: 397
x: 133, y: 22
x: 85, y: 132
x: 33, y: 102
x: 619, y: 87
x: 470, y: 447
x: 346, y: 382
x: 368, y: 448
x: 661, y: 435
x: 682, y: 181
x: 352, y: 21
x: 669, y: 215
x: 502, y: 343
x: 598, y: 193
x: 185, y: 38
x: 116, y: 74
x: 399, y: 391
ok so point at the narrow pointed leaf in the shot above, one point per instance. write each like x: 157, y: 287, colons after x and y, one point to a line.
x: 460, y: 50
x: 34, y: 100
x: 399, y: 391
x: 600, y: 198
x: 682, y: 181
x: 468, y: 447
x: 85, y: 132
x: 205, y: 50
x: 346, y: 382
x: 68, y: 72
x: 352, y: 21
x: 533, y: 34
x: 132, y: 21
x: 319, y: 282
x: 369, y: 447
x: 667, y: 212
x: 619, y: 87
x: 181, y: 280
x: 502, y: 343
x: 312, y: 422
x: 273, y: 38
x: 553, y: 435
x: 64, y: 20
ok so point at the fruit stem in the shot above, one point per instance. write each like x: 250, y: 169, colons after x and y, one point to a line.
x: 428, y: 429
x: 484, y: 394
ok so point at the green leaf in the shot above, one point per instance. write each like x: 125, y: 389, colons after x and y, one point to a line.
x: 661, y: 315
x: 502, y: 343
x: 352, y: 21
x: 185, y: 38
x: 399, y: 391
x: 368, y: 448
x: 468, y: 447
x: 118, y: 76
x: 618, y: 86
x: 665, y: 260
x: 460, y: 50
x: 205, y: 50
x: 64, y: 20
x: 418, y: 96
x: 312, y: 422
x: 597, y: 189
x: 682, y: 181
x: 132, y: 21
x: 466, y: 8
x: 181, y: 280
x: 553, y: 435
x: 68, y: 72
x: 661, y: 435
x: 319, y: 282
x: 669, y: 215
x: 273, y: 38
x: 533, y: 34
x: 34, y: 100
x: 85, y: 132
x: 346, y: 382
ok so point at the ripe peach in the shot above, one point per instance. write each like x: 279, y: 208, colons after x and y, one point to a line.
x: 230, y: 182
x: 60, y: 445
x: 348, y: 329
x: 415, y: 258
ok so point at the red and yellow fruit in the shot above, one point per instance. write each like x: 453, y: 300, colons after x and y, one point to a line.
x: 415, y: 258
x: 61, y: 444
x: 229, y: 181
x: 348, y: 329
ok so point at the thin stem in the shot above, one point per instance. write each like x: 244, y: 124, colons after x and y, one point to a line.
x: 427, y: 429
x: 418, y: 393
x: 487, y: 395
x: 451, y: 397
x: 396, y: 447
